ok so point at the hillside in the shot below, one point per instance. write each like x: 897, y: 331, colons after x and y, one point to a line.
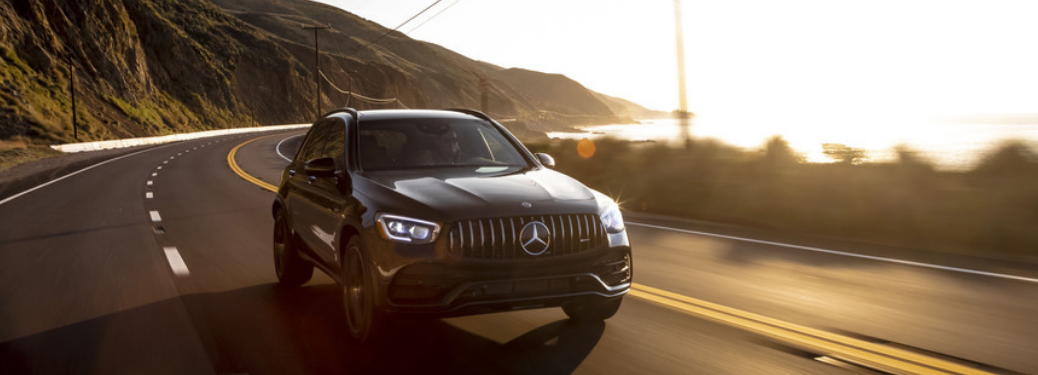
x: 148, y: 67
x: 419, y: 74
x: 141, y: 67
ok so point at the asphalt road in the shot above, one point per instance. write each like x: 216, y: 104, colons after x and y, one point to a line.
x: 160, y: 262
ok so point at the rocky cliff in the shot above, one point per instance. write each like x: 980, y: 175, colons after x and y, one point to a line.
x: 141, y: 67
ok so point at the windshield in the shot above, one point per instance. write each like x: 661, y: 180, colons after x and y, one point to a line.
x: 434, y: 143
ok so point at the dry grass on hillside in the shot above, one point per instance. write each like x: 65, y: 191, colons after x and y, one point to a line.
x: 14, y: 152
x: 991, y: 209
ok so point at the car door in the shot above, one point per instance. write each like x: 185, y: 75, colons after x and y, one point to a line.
x: 333, y: 196
x: 300, y: 198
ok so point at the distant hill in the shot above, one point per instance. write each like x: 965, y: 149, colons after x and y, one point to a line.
x: 627, y: 108
x: 147, y: 67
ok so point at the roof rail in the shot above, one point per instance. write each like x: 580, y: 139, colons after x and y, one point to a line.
x: 351, y: 111
x: 471, y: 112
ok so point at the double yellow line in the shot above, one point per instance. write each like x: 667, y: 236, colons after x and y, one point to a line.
x: 848, y: 349
x: 240, y: 172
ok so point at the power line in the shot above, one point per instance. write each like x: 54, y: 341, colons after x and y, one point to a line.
x: 366, y: 99
x: 399, y: 26
x: 434, y: 16
x: 396, y: 38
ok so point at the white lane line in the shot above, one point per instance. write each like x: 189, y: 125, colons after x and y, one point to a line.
x: 149, y: 195
x: 176, y: 262
x: 149, y: 183
x: 179, y: 153
x: 278, y: 147
x: 13, y: 197
x: 160, y: 167
x: 153, y: 174
x: 155, y: 218
x: 834, y: 252
x: 165, y: 162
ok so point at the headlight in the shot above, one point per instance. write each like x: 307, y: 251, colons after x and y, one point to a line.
x: 611, y: 218
x: 405, y: 229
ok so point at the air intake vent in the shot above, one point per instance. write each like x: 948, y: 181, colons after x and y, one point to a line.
x: 501, y: 238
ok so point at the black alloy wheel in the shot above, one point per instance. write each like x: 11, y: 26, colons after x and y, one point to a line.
x: 358, y: 295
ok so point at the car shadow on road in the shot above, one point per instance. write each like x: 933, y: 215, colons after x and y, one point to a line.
x: 267, y: 329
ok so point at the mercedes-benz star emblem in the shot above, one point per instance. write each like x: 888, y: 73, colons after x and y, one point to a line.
x: 527, y: 204
x: 535, y: 238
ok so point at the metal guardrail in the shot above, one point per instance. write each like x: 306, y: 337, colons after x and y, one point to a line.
x: 144, y: 141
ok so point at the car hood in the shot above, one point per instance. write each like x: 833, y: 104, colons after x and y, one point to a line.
x: 461, y: 194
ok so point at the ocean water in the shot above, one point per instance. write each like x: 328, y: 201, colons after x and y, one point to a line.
x: 954, y: 145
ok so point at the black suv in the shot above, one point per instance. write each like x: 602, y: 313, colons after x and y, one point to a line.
x: 444, y: 213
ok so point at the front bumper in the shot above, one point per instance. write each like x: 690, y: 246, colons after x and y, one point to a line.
x: 482, y: 286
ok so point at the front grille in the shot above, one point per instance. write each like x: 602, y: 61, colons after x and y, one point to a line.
x: 498, y: 238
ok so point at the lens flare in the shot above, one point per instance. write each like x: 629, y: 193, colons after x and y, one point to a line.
x: 586, y: 148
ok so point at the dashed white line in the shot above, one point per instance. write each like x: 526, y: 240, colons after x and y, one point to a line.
x: 165, y: 162
x: 13, y: 197
x: 155, y: 218
x: 834, y: 252
x: 149, y: 182
x: 153, y: 174
x: 160, y: 167
x: 149, y: 195
x: 176, y: 262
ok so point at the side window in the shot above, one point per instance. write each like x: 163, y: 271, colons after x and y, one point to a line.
x: 308, y: 141
x: 314, y: 145
x: 335, y: 146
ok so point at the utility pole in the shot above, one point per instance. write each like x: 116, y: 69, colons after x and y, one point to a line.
x: 317, y: 69
x: 683, y: 114
x: 484, y: 100
x: 72, y: 91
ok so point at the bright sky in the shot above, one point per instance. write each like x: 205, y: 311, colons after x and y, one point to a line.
x: 808, y: 60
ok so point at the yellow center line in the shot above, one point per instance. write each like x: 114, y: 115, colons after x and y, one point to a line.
x: 240, y: 172
x: 853, y: 350
x: 846, y: 348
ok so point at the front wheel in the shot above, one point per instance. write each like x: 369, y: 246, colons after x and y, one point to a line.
x: 589, y: 312
x: 358, y: 295
x: 291, y: 268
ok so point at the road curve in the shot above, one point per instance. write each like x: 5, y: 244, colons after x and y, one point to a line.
x: 160, y: 263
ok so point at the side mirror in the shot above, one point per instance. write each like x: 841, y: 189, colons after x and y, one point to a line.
x: 323, y: 167
x: 546, y: 160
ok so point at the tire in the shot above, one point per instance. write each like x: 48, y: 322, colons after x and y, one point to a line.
x: 591, y: 312
x: 363, y: 320
x: 292, y: 270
